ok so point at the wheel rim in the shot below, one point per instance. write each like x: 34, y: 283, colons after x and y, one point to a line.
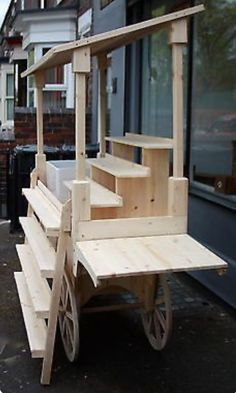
x: 158, y: 322
x: 68, y: 319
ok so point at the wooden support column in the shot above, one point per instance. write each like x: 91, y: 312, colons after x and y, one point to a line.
x: 102, y: 97
x: 80, y: 187
x: 178, y: 38
x: 178, y: 185
x: 40, y: 159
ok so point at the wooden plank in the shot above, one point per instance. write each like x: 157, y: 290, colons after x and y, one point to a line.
x: 178, y: 32
x: 38, y: 287
x: 35, y: 328
x: 80, y: 125
x: 135, y: 202
x: 143, y: 141
x: 178, y: 111
x: 39, y: 83
x: 50, y: 196
x: 102, y: 104
x: 99, y: 195
x: 119, y: 167
x: 178, y: 196
x: 145, y: 255
x: 106, y: 42
x: 43, y: 251
x: 105, y: 179
x: 122, y: 150
x: 157, y: 185
x: 55, y: 299
x: 44, y: 209
x: 132, y: 227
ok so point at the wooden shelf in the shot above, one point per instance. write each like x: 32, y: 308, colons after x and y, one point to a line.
x: 44, y: 253
x: 38, y: 287
x: 145, y: 255
x: 119, y: 168
x: 100, y: 196
x: 35, y: 328
x: 46, y: 211
x: 143, y: 141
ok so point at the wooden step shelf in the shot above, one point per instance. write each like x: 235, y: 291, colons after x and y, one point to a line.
x: 143, y: 141
x: 38, y: 287
x: 43, y: 251
x: 36, y: 328
x: 119, y: 168
x: 100, y: 197
x: 145, y: 255
x: 45, y: 210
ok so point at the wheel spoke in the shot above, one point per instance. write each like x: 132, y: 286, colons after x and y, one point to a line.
x: 69, y: 316
x: 161, y: 319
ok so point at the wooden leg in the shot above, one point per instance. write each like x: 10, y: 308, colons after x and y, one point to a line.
x: 52, y: 321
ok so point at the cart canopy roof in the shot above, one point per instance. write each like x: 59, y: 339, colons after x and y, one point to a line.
x: 107, y: 42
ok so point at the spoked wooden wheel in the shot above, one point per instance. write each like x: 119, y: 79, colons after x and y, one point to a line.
x: 158, y: 322
x: 69, y: 319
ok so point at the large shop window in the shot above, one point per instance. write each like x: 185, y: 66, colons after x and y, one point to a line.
x: 213, y: 130
x: 156, y: 83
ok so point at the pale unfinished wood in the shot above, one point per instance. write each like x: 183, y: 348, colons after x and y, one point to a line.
x: 122, y: 151
x: 142, y: 141
x: 53, y: 314
x: 106, y: 42
x: 178, y: 32
x: 102, y: 104
x: 145, y: 255
x: 81, y: 60
x: 135, y: 197
x: 80, y: 125
x: 39, y: 83
x: 132, y: 227
x: 99, y: 195
x: 35, y: 328
x: 38, y: 287
x: 42, y: 249
x: 40, y: 165
x: 80, y: 204
x: 50, y: 196
x: 178, y: 112
x: 157, y: 185
x: 47, y: 213
x: 119, y: 167
x: 101, y: 177
x: 178, y: 196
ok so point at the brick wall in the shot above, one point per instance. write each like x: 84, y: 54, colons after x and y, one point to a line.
x: 59, y: 129
x: 59, y: 126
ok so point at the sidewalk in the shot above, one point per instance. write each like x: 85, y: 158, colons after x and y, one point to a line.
x: 115, y: 355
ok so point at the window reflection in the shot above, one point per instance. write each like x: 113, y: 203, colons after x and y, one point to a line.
x: 213, y: 150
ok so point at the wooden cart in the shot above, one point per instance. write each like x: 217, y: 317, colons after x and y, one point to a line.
x: 124, y: 226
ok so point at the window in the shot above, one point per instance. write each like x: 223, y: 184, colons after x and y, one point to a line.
x: 31, y: 60
x: 10, y: 96
x: 213, y: 148
x: 156, y: 81
x: 54, y: 75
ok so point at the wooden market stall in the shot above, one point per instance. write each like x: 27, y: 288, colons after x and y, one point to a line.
x: 124, y: 224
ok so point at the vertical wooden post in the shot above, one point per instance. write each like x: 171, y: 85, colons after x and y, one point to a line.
x: 40, y: 159
x: 81, y: 67
x: 178, y: 38
x: 102, y: 65
x: 178, y: 185
x: 80, y: 188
